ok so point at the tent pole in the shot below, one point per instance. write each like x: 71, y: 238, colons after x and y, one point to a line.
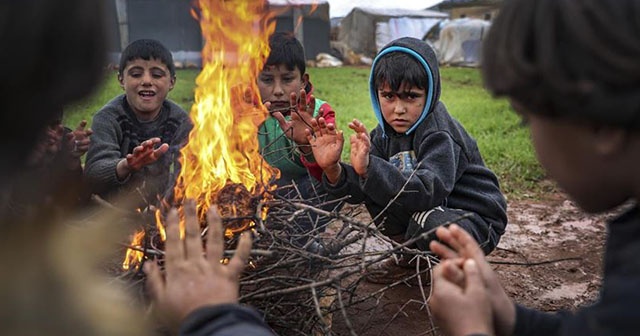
x: 123, y: 23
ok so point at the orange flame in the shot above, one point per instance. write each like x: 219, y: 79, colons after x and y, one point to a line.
x: 134, y: 257
x: 223, y: 146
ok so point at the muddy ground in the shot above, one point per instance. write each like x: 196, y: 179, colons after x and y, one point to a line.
x: 549, y: 258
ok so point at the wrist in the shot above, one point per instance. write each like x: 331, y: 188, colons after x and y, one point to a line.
x: 122, y: 169
x: 333, y: 173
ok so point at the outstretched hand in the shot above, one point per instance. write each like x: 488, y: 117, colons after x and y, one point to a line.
x: 461, y: 246
x: 79, y: 140
x: 146, y: 154
x: 301, y: 110
x: 192, y: 280
x: 467, y: 294
x: 326, y: 143
x: 360, y: 147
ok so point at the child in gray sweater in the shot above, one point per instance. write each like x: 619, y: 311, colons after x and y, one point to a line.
x: 137, y: 136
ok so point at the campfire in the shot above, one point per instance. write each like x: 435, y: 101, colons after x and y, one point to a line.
x: 298, y: 289
x: 221, y: 164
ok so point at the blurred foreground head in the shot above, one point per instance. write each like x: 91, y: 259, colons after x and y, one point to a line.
x: 53, y: 54
x: 569, y: 59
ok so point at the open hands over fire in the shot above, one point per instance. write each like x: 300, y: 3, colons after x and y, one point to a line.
x: 146, y: 153
x: 461, y: 247
x: 192, y: 280
x: 326, y: 142
x: 301, y: 108
x: 360, y: 146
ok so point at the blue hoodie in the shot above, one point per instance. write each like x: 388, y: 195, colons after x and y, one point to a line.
x: 435, y: 163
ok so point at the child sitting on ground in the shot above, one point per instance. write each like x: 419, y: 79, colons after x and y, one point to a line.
x: 418, y: 168
x: 138, y: 135
x: 575, y: 83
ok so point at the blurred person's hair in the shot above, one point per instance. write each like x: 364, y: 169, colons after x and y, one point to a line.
x: 568, y: 59
x: 53, y: 54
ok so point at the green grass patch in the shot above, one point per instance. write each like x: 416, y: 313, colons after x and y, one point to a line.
x: 504, y: 145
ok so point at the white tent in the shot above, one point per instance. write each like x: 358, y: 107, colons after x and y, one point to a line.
x: 367, y: 30
x: 460, y: 42
x: 340, y: 8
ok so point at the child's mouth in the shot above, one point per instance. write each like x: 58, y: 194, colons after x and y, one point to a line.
x: 146, y: 94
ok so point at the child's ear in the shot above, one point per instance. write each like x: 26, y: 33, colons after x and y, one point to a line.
x: 121, y: 80
x: 172, y: 83
x: 305, y: 80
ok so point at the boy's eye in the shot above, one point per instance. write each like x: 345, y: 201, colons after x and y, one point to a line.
x: 158, y: 74
x: 266, y: 80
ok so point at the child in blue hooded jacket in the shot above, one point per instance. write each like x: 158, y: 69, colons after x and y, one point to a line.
x: 418, y: 168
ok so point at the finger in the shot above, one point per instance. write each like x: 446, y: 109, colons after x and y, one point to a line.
x: 474, y: 282
x: 293, y: 100
x: 88, y: 132
x: 442, y: 251
x: 81, y: 126
x: 215, y: 240
x: 302, y: 101
x: 155, y: 282
x: 452, y: 270
x: 441, y: 285
x: 284, y: 125
x: 467, y: 243
x: 239, y: 260
x: 311, y: 104
x: 192, y: 240
x: 160, y: 151
x: 174, y: 248
x: 444, y: 235
x: 310, y: 138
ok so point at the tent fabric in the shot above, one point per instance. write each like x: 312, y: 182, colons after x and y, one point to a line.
x: 308, y: 19
x: 460, y: 42
x: 366, y: 30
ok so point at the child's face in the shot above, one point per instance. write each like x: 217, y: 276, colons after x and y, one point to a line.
x: 276, y: 83
x: 403, y: 108
x: 574, y: 156
x: 146, y: 84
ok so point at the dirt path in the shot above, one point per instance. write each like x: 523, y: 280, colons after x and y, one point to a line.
x: 549, y: 259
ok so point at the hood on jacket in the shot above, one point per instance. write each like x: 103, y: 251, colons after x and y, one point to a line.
x: 425, y: 55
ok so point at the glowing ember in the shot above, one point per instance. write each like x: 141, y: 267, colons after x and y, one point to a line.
x: 223, y: 147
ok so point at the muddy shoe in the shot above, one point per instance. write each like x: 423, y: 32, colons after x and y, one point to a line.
x: 392, y: 270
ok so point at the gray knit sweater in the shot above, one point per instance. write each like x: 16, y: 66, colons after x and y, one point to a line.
x: 116, y: 132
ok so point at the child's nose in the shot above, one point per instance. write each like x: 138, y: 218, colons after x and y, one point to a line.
x: 400, y: 108
x: 278, y: 89
x: 146, y: 79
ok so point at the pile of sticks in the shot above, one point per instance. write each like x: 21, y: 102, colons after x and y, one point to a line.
x: 304, y: 279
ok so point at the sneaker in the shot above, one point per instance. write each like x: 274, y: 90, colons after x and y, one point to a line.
x: 397, y: 270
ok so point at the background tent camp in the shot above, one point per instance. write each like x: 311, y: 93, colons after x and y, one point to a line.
x: 170, y: 22
x: 366, y: 30
x: 460, y: 42
x: 308, y: 19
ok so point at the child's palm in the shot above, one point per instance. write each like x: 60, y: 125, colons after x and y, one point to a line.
x: 327, y: 149
x: 360, y: 147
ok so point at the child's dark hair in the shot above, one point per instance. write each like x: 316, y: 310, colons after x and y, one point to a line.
x: 397, y: 68
x: 566, y: 58
x: 286, y: 50
x: 147, y: 49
